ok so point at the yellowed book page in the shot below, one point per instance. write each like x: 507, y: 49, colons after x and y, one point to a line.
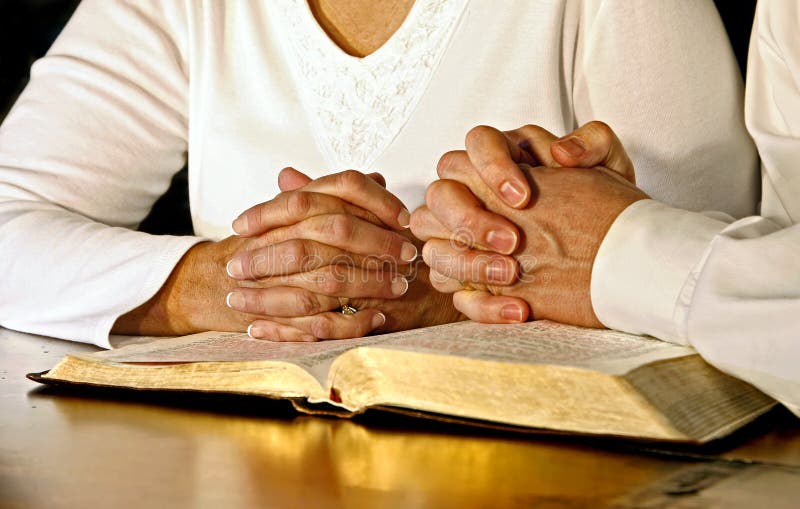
x: 316, y: 358
x: 540, y: 342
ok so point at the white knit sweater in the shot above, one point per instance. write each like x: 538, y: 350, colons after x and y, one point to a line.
x: 246, y: 87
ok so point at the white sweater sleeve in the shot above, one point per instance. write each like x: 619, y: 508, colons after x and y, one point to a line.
x: 90, y: 145
x: 730, y: 290
x: 663, y: 76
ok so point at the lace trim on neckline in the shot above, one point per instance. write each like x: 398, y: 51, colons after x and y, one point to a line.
x: 358, y: 106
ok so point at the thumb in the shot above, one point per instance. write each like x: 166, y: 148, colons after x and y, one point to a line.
x: 593, y: 144
x: 290, y: 179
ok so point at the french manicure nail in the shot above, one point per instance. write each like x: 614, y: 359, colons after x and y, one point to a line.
x: 511, y: 312
x: 235, y: 300
x: 240, y: 225
x: 399, y: 286
x: 573, y: 146
x: 234, y: 268
x: 497, y: 271
x: 504, y: 241
x: 408, y: 253
x: 404, y: 218
x: 512, y: 193
x: 254, y: 332
x: 378, y: 320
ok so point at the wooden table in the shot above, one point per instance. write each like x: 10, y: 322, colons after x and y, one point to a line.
x: 66, y: 449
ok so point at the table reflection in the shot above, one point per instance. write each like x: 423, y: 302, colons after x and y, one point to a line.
x: 263, y: 453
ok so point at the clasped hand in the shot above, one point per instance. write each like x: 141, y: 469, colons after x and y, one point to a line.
x: 511, y: 229
x: 340, y: 239
x: 513, y: 226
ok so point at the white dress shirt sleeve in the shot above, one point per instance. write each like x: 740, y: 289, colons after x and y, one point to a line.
x: 730, y: 290
x: 90, y: 145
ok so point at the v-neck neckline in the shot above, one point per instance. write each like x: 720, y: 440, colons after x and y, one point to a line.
x: 357, y: 106
x: 325, y: 42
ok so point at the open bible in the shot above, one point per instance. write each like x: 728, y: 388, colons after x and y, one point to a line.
x: 538, y: 375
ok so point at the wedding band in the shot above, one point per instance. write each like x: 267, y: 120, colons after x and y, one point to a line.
x: 466, y: 286
x: 345, y: 307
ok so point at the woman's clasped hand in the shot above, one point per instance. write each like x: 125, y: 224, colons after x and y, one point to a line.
x: 340, y: 241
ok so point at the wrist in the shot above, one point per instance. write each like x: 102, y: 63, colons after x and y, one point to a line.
x: 168, y: 311
x: 643, y: 265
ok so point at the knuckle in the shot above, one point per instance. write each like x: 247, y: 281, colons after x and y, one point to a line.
x: 495, y: 168
x: 600, y: 129
x: 257, y: 301
x: 282, y: 333
x: 461, y: 303
x: 531, y: 130
x: 295, y: 253
x: 339, y: 226
x: 322, y: 326
x: 390, y: 244
x: 265, y: 262
x: 351, y: 179
x: 298, y: 204
x: 363, y: 326
x: 468, y: 222
x: 419, y: 220
x: 435, y: 190
x: 306, y: 303
x: 256, y: 217
x: 477, y: 133
x: 330, y: 282
x: 448, y: 161
x: 250, y: 265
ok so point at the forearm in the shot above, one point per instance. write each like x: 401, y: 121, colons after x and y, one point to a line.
x: 730, y: 291
x: 743, y: 315
x: 70, y: 277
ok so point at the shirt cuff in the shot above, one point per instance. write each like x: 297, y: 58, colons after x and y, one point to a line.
x: 170, y: 250
x: 643, y: 266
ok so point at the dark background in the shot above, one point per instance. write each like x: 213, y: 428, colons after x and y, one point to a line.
x: 28, y: 28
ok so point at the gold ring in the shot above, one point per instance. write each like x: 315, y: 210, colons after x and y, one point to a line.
x: 465, y: 285
x: 345, y: 307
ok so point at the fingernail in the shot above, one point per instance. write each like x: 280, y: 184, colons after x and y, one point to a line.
x: 404, y: 218
x: 235, y: 300
x: 240, y: 225
x: 408, y: 253
x: 511, y: 312
x: 255, y: 332
x: 378, y: 320
x: 234, y: 268
x: 573, y: 146
x: 504, y: 241
x: 512, y: 193
x: 497, y: 271
x: 399, y: 286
